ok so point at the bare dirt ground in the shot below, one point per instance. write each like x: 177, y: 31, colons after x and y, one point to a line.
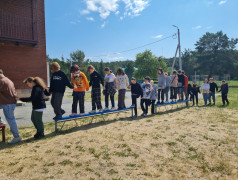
x: 184, y: 143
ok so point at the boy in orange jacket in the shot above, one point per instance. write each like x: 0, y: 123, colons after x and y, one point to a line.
x: 80, y: 83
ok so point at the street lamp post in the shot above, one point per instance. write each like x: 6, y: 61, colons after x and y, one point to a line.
x: 179, y: 48
x: 159, y: 59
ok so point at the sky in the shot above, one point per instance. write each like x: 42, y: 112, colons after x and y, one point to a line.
x: 103, y: 29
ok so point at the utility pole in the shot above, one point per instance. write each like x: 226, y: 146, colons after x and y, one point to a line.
x: 178, y: 49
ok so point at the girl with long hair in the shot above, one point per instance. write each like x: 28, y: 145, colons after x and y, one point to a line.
x: 38, y: 103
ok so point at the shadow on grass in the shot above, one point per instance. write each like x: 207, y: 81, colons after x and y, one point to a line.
x: 85, y: 127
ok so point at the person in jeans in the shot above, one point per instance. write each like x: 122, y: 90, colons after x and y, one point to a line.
x: 161, y: 86
x: 8, y: 100
x: 95, y: 81
x: 38, y: 103
x: 109, y: 89
x: 213, y: 89
x: 224, y: 93
x: 136, y: 92
x: 147, y: 89
x: 181, y: 83
x: 122, y: 84
x: 205, y: 89
x: 57, y: 88
x: 167, y: 86
x: 80, y: 83
x: 174, y: 86
x: 185, y: 87
x: 153, y: 96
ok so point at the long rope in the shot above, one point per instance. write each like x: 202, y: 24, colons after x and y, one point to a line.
x: 120, y: 52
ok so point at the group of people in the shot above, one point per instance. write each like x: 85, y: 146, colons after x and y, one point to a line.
x: 177, y: 84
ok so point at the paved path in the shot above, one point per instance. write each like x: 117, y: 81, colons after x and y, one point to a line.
x: 23, y: 113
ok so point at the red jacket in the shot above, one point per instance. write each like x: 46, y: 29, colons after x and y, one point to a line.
x: 186, y: 81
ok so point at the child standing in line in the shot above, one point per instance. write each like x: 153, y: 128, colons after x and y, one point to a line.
x: 110, y: 84
x: 167, y: 86
x: 147, y: 89
x: 95, y: 81
x: 224, y: 92
x: 57, y: 88
x: 38, y: 103
x: 80, y: 83
x: 153, y: 96
x: 161, y: 86
x: 136, y: 92
x: 122, y: 84
x: 213, y: 89
x: 174, y: 86
x: 181, y: 83
x: 195, y: 90
x: 205, y: 89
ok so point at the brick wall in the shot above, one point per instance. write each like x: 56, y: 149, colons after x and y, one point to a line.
x: 24, y: 60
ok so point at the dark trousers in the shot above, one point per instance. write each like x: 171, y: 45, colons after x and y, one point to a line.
x: 146, y: 102
x: 173, y: 92
x: 134, y: 102
x: 112, y: 100
x: 195, y: 96
x: 36, y: 118
x: 121, y: 99
x: 78, y: 97
x: 152, y: 106
x: 96, y: 98
x: 213, y: 96
x: 56, y: 102
x: 185, y: 93
x: 224, y: 98
x: 161, y: 95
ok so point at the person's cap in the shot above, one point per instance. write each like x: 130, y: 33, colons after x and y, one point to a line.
x: 147, y: 78
x: 1, y: 71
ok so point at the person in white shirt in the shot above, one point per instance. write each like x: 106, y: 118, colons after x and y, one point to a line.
x: 205, y: 90
x: 122, y: 84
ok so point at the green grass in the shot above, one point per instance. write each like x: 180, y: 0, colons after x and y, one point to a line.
x: 230, y: 83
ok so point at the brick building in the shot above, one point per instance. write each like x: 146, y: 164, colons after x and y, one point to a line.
x: 22, y: 40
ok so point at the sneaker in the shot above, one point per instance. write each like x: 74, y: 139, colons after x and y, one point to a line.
x: 57, y: 117
x: 166, y: 102
x: 81, y: 114
x: 92, y: 112
x: 132, y: 106
x: 158, y: 102
x: 145, y: 115
x: 228, y: 103
x: 15, y: 140
x: 162, y: 102
x: 73, y: 114
x: 100, y: 110
x: 209, y: 104
x: 106, y: 109
x: 38, y: 136
x: 113, y: 109
x: 63, y: 111
x: 142, y: 114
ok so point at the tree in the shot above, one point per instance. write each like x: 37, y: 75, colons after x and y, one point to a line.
x: 147, y: 65
x: 77, y: 57
x: 129, y: 69
x: 213, y: 52
x: 101, y: 69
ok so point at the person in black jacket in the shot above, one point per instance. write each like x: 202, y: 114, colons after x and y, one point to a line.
x: 95, y: 81
x: 213, y: 89
x: 136, y: 92
x: 224, y: 92
x: 195, y: 89
x: 181, y: 83
x: 38, y: 103
x: 57, y: 88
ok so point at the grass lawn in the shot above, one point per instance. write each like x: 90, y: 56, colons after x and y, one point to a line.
x: 230, y: 83
x: 177, y: 143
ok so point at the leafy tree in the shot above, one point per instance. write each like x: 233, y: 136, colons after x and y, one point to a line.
x: 214, y: 53
x: 77, y: 57
x: 147, y: 65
